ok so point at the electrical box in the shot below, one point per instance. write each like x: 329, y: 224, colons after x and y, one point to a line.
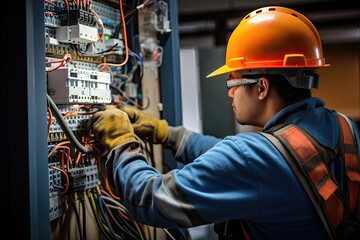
x: 94, y: 59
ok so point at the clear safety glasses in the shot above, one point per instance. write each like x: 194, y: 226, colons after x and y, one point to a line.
x: 234, y: 82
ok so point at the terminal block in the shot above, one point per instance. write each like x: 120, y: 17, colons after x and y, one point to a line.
x: 77, y: 34
x: 77, y: 26
x: 82, y: 178
x: 75, y: 85
x: 56, y: 200
x: 76, y: 17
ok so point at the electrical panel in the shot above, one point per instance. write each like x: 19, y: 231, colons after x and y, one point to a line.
x: 96, y: 53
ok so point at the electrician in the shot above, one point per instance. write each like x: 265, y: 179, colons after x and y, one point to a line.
x: 271, y: 62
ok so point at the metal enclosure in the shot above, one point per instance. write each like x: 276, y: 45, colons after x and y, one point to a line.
x: 23, y: 94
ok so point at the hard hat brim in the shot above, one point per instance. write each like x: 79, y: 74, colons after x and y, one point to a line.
x: 221, y: 70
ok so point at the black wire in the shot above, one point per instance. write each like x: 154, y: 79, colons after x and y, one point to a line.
x: 116, y: 89
x: 147, y: 102
x: 101, y: 203
x: 123, y: 231
x: 82, y: 201
x: 114, y: 221
x: 126, y: 231
x: 129, y: 17
x: 77, y: 218
x: 102, y: 52
x: 69, y: 134
x: 130, y: 226
x: 104, y: 233
x: 154, y: 232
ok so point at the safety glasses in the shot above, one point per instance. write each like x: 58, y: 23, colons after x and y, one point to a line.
x: 234, y: 82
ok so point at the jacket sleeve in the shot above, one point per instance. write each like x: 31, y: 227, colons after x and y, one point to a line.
x: 187, y: 145
x: 178, y: 198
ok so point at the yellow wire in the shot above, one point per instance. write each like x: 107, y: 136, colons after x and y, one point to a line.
x: 148, y: 232
x: 99, y: 217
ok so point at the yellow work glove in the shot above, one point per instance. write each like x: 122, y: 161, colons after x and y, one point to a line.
x: 112, y: 127
x: 146, y: 126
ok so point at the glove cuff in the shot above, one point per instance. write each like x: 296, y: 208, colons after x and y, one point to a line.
x: 126, y: 138
x: 176, y: 142
x: 162, y: 132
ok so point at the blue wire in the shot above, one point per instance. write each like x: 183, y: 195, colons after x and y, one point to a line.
x: 138, y: 57
x: 182, y: 231
x: 104, y: 216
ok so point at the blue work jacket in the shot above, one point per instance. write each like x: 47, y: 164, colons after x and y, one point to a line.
x: 239, y: 177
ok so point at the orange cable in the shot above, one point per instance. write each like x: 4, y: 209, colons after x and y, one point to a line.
x: 50, y: 2
x: 125, y: 40
x: 58, y: 147
x: 125, y: 216
x: 66, y: 4
x: 108, y: 189
x: 67, y: 181
x: 49, y: 121
x: 66, y: 59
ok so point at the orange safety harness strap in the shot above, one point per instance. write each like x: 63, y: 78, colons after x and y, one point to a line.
x: 310, y: 161
x: 288, y: 154
x: 352, y: 165
x: 312, y: 167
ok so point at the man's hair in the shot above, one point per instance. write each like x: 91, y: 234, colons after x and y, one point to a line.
x: 287, y: 93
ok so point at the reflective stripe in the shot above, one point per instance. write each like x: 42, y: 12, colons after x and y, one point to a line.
x: 310, y: 162
x: 335, y: 208
x: 307, y: 154
x: 351, y: 160
x: 300, y: 144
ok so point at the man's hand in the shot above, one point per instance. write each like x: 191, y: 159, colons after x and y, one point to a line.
x: 112, y: 127
x: 146, y: 126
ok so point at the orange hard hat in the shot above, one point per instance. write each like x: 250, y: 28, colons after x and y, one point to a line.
x: 273, y: 37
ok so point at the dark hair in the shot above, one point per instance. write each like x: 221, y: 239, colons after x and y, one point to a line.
x: 283, y: 88
x: 286, y: 92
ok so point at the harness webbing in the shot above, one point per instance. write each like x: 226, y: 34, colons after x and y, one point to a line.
x: 304, y: 180
x: 339, y: 211
x: 312, y: 167
x: 352, y: 166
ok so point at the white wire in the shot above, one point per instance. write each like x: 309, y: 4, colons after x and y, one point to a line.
x: 122, y: 208
x: 169, y: 234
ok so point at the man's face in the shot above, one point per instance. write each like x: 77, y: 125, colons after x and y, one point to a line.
x: 243, y: 91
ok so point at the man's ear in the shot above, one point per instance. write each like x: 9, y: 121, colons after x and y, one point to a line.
x: 263, y: 87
